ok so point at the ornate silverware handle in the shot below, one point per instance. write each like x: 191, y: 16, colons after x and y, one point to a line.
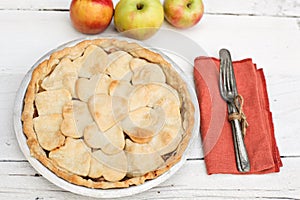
x: 243, y: 163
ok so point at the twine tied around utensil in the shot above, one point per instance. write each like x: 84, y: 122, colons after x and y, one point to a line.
x: 239, y: 115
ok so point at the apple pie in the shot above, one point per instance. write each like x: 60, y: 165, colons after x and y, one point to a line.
x: 107, y: 113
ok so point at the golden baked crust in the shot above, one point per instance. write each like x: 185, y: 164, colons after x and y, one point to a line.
x: 68, y: 55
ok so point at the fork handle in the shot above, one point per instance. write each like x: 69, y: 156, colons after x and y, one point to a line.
x: 242, y: 159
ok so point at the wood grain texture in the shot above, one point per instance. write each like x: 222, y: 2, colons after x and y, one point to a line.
x: 265, y: 30
x: 257, y: 37
x: 283, y: 93
x: 16, y: 177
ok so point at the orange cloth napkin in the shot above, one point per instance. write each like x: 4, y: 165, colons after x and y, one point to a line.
x: 215, y: 128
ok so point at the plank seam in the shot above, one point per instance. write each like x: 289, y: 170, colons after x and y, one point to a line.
x: 208, y: 13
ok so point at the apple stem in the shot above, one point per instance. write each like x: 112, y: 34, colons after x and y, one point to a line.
x: 189, y: 5
x: 139, y: 6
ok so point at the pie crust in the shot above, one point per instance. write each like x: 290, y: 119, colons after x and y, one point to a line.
x: 107, y: 113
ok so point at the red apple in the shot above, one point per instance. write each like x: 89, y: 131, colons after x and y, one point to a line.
x: 183, y: 13
x: 91, y: 16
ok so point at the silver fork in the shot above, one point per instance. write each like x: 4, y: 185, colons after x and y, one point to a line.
x: 229, y: 92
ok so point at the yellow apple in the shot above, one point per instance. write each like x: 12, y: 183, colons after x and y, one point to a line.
x: 138, y: 19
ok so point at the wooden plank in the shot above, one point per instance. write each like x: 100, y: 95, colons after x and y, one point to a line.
x: 231, y: 7
x: 284, y: 98
x: 9, y: 84
x: 258, y: 38
x: 272, y: 48
x: 20, y: 181
x: 26, y: 31
x: 29, y: 35
x: 254, y: 7
x: 283, y: 92
x: 35, y: 4
x: 277, y: 57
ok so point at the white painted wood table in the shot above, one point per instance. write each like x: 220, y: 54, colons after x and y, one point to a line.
x: 266, y: 30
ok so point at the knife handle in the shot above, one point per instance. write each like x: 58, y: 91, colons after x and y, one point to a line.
x: 242, y: 159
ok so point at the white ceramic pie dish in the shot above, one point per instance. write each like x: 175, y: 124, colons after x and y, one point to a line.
x: 99, y: 193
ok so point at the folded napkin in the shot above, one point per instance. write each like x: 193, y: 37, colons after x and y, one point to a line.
x: 215, y: 128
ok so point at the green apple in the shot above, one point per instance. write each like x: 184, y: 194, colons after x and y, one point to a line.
x: 138, y: 19
x: 183, y: 13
